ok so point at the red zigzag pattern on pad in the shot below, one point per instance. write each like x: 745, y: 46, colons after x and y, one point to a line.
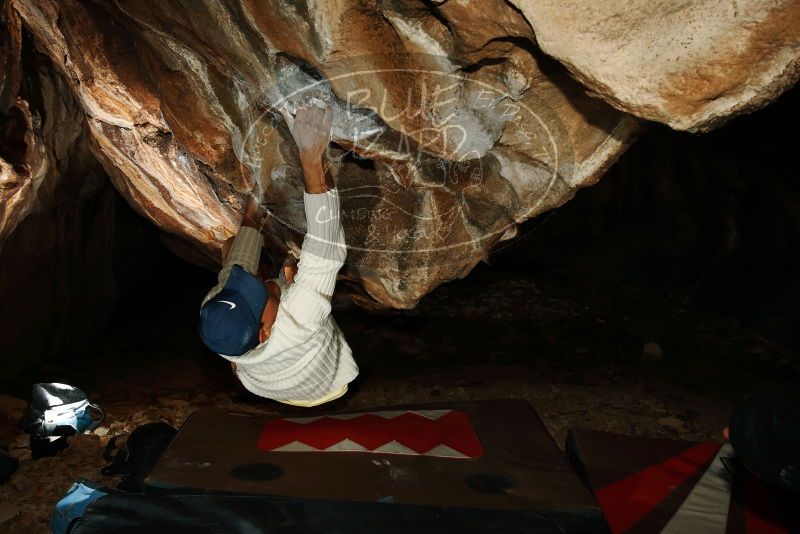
x: 371, y: 431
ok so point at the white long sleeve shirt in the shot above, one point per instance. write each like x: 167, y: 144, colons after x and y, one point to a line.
x: 306, y: 360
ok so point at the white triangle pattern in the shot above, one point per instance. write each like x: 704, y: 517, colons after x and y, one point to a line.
x: 443, y: 451
x: 346, y: 416
x: 395, y: 447
x: 432, y: 414
x: 388, y: 414
x: 346, y: 445
x: 304, y: 420
x: 295, y: 446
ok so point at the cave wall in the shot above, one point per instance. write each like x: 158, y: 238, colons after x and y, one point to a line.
x: 56, y: 277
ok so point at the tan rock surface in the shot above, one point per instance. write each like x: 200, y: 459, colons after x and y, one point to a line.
x: 448, y: 130
x: 691, y: 65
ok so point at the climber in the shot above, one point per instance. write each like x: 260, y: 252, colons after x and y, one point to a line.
x: 279, y: 334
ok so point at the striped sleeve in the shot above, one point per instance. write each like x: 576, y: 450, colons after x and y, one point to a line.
x: 245, y: 251
x: 323, y: 254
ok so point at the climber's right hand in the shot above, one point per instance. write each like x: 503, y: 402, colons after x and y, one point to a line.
x: 311, y: 129
x: 254, y: 214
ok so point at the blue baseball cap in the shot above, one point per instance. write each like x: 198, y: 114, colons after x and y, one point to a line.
x: 229, y: 322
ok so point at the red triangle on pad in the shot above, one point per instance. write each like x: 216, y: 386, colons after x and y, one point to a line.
x: 627, y: 501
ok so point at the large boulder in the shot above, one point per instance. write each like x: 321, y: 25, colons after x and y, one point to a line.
x: 453, y: 123
x: 689, y: 64
x: 449, y: 130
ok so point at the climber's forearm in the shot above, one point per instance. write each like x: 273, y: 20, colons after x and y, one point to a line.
x: 314, y: 174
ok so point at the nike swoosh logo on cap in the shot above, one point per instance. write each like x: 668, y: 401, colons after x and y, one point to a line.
x: 228, y: 302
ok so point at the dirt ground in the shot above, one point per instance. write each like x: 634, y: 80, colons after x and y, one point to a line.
x: 582, y: 354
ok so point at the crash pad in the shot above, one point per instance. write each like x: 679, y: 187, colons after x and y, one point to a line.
x: 648, y: 485
x: 493, y: 458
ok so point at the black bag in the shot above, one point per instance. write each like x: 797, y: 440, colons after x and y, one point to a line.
x: 136, y: 457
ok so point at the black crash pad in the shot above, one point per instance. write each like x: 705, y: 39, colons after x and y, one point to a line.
x: 484, y: 466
